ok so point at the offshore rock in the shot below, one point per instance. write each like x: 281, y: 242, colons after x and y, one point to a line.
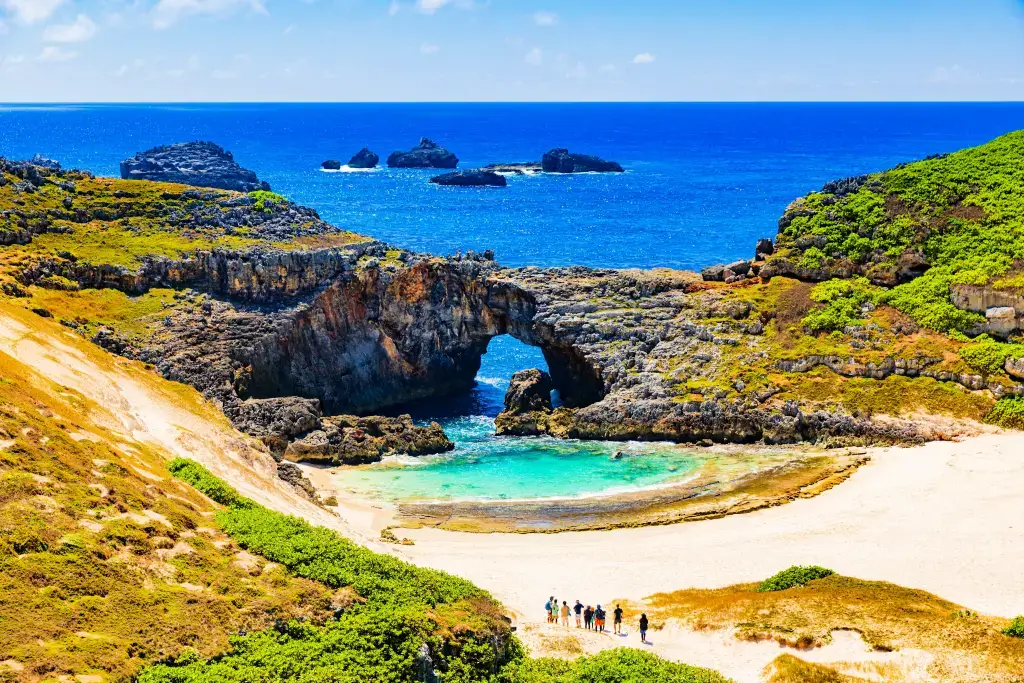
x: 527, y: 404
x: 562, y: 161
x: 476, y: 178
x: 202, y: 164
x: 331, y: 165
x: 364, y: 158
x: 427, y: 154
x: 350, y: 440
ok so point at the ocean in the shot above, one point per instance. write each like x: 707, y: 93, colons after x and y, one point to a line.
x: 703, y: 183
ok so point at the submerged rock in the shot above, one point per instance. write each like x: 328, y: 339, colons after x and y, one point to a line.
x: 331, y: 165
x: 427, y: 154
x: 364, y: 158
x: 478, y: 178
x: 562, y: 161
x: 202, y: 164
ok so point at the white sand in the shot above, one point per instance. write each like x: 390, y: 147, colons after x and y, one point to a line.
x: 944, y: 517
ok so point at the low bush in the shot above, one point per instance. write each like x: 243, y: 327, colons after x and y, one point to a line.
x: 1008, y: 412
x: 622, y: 665
x: 266, y: 200
x: 843, y: 301
x: 988, y: 356
x: 1015, y: 629
x: 793, y: 577
x: 200, y: 478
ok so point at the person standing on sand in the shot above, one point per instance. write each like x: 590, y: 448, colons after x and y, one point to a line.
x: 618, y: 619
x: 578, y: 609
x: 588, y: 616
x: 599, y: 616
x: 643, y: 628
x: 547, y: 608
x: 554, y: 612
x: 565, y: 614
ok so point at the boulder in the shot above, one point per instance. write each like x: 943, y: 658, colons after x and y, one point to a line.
x: 739, y: 267
x: 765, y: 247
x: 562, y: 161
x: 528, y: 391
x: 350, y: 440
x: 202, y: 164
x: 331, y: 165
x: 1015, y: 367
x: 476, y: 178
x: 713, y: 273
x: 40, y: 160
x: 427, y: 154
x: 364, y: 158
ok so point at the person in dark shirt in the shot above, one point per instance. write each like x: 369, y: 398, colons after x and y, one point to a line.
x: 643, y: 628
x: 588, y: 617
x: 599, y: 617
x: 578, y: 609
x: 618, y: 619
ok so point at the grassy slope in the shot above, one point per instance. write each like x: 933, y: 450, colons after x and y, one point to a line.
x: 105, y: 564
x: 889, y: 617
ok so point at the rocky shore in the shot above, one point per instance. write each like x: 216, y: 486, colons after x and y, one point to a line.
x: 203, y: 164
x: 299, y: 321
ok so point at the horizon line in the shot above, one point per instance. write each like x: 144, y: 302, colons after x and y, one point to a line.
x: 27, y: 103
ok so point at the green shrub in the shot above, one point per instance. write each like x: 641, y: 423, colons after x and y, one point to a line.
x: 266, y: 201
x: 622, y: 665
x: 988, y: 356
x: 843, y: 301
x: 1015, y: 629
x: 200, y: 478
x: 1008, y: 412
x: 793, y: 577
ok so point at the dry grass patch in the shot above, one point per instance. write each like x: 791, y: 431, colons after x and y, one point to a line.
x: 966, y: 646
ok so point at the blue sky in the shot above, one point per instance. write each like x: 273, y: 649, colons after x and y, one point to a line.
x: 510, y: 50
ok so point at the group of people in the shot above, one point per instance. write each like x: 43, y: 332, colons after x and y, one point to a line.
x: 590, y: 618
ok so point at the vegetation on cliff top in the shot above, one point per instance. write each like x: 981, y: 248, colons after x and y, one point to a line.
x: 950, y: 219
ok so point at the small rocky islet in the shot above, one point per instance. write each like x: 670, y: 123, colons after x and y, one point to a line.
x: 288, y: 323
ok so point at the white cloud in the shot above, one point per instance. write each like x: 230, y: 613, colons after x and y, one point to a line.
x: 288, y: 29
x: 429, y: 49
x: 607, y: 68
x: 31, y: 11
x: 223, y: 74
x: 393, y: 8
x: 81, y: 30
x: 431, y: 6
x: 644, y: 58
x: 578, y: 71
x: 8, y: 62
x: 3, y: 27
x: 534, y: 57
x: 168, y: 12
x: 952, y: 75
x: 545, y: 18
x: 54, y: 53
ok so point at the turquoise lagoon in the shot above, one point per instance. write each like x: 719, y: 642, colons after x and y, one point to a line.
x: 486, y: 467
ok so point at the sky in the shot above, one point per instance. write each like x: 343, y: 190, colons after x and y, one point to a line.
x: 510, y: 50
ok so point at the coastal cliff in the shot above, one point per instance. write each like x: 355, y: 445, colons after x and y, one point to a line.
x: 282, y: 319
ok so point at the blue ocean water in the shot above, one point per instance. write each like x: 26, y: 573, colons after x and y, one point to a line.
x: 703, y: 182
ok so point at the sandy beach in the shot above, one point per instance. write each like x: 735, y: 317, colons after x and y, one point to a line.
x: 944, y: 517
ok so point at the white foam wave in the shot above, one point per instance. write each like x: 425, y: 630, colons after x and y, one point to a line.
x: 349, y: 169
x: 497, y: 382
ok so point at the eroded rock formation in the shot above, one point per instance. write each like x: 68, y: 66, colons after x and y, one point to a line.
x: 350, y: 440
x: 203, y: 164
x: 364, y: 158
x: 563, y: 161
x: 475, y: 178
x: 427, y: 154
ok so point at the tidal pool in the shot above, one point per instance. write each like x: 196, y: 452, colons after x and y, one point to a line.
x: 485, y: 467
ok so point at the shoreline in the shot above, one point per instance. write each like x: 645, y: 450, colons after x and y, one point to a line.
x: 939, y: 517
x: 714, y: 489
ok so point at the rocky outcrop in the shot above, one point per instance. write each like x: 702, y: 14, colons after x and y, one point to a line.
x: 350, y: 440
x: 427, y: 154
x: 44, y: 162
x: 562, y: 161
x: 202, y: 164
x: 290, y: 473
x: 331, y: 165
x: 516, y: 168
x: 364, y: 158
x: 527, y: 403
x: 1003, y: 309
x: 475, y: 178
